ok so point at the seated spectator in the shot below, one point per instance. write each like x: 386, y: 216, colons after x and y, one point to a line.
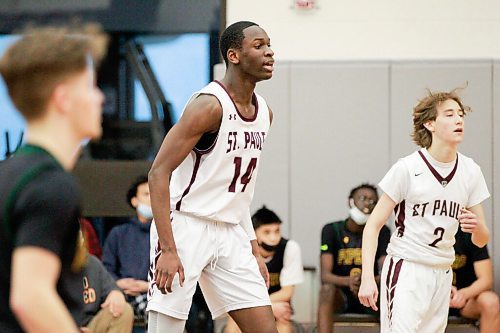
x: 284, y: 263
x: 471, y: 294
x: 105, y: 308
x: 126, y: 249
x: 341, y: 258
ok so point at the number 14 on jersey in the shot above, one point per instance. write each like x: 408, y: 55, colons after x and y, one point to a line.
x: 247, y: 176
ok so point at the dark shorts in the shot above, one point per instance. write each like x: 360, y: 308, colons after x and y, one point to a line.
x: 454, y: 312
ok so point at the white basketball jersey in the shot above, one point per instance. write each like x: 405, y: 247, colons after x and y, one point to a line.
x: 429, y: 196
x: 218, y: 183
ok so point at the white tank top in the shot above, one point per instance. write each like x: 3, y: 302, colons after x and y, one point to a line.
x: 429, y: 196
x: 218, y: 183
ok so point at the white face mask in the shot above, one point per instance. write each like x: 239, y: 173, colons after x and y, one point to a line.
x: 145, y: 211
x: 357, y: 215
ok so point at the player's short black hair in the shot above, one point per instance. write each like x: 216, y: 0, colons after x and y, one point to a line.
x: 132, y: 190
x: 232, y: 37
x: 264, y: 216
x: 364, y: 185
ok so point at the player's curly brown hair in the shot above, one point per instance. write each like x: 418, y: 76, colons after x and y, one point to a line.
x: 44, y: 57
x: 426, y: 110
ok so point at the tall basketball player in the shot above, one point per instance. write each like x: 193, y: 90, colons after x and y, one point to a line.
x: 433, y: 191
x: 202, y: 182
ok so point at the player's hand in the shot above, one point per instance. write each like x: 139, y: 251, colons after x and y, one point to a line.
x: 468, y: 220
x: 115, y: 302
x: 368, y: 293
x: 458, y: 299
x: 167, y: 266
x: 84, y: 330
x: 282, y: 311
x: 263, y: 269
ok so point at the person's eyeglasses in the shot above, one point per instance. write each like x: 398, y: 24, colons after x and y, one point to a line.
x: 367, y: 200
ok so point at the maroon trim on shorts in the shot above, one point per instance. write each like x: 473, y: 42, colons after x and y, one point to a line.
x: 254, y: 102
x: 152, y: 269
x: 193, y: 177
x: 440, y: 179
x: 391, y: 287
x: 400, y: 217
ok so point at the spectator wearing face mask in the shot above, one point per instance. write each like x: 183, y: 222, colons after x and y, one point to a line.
x: 126, y: 249
x: 341, y: 258
x: 284, y: 263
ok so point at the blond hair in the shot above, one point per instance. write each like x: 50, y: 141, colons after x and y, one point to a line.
x: 34, y: 65
x: 426, y: 110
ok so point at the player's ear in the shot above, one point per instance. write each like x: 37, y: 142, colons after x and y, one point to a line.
x: 429, y: 125
x: 351, y: 202
x: 59, y: 98
x: 233, y: 56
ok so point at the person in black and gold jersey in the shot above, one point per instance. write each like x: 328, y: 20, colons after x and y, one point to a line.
x: 49, y: 75
x: 471, y: 294
x: 341, y: 258
x: 284, y: 263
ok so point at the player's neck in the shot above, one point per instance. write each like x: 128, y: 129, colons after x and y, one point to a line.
x: 56, y: 140
x: 240, y: 88
x: 442, y: 152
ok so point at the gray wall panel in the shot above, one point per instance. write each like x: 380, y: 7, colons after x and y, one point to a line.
x: 339, y: 138
x: 495, y: 244
x: 273, y: 182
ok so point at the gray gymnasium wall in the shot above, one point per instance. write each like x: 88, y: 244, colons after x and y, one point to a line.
x: 337, y: 124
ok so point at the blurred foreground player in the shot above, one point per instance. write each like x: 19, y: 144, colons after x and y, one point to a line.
x: 49, y: 74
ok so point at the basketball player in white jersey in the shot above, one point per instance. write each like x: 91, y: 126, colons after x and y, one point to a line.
x: 202, y: 182
x: 433, y: 192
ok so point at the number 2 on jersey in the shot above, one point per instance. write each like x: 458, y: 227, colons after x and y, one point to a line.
x: 245, y: 179
x: 438, y: 231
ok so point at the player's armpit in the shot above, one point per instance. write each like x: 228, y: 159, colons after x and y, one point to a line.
x: 202, y: 115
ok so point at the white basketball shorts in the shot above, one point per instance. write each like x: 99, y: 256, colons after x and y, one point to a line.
x: 414, y: 297
x: 219, y: 256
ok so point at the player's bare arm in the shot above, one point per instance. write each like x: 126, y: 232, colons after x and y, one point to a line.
x: 472, y: 221
x: 202, y: 115
x: 368, y: 291
x: 35, y: 302
x: 253, y: 242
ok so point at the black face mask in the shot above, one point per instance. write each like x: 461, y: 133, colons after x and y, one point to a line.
x: 268, y: 248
